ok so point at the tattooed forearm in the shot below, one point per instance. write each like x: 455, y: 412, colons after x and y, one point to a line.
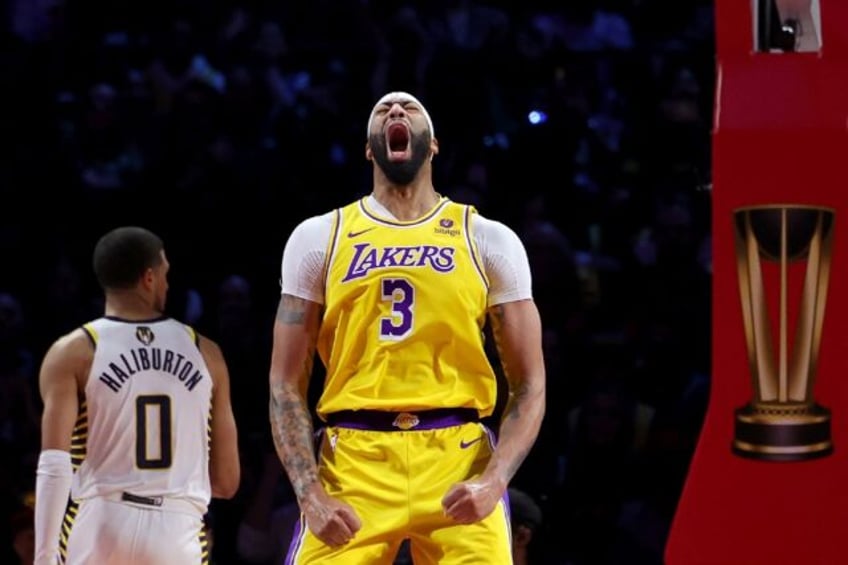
x: 513, y: 464
x: 518, y: 394
x: 518, y: 404
x: 292, y: 310
x: 291, y: 421
x: 291, y: 427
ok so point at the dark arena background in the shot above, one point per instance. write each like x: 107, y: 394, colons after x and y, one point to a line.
x: 585, y: 126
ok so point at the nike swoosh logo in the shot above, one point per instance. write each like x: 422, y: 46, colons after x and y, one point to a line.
x: 358, y: 233
x: 466, y: 444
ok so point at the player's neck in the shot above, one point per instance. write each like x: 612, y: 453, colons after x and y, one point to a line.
x: 129, y: 305
x: 408, y: 202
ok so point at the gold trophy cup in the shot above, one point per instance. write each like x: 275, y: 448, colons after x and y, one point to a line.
x: 782, y: 421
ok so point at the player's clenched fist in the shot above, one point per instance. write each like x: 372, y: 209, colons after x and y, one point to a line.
x: 470, y: 501
x: 331, y: 520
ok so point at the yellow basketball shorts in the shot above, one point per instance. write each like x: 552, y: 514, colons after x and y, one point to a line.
x: 395, y: 481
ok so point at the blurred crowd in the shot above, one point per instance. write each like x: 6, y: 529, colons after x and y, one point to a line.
x: 583, y: 125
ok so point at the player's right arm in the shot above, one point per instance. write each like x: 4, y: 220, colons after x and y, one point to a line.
x: 63, y: 372
x: 295, y: 336
x: 295, y: 339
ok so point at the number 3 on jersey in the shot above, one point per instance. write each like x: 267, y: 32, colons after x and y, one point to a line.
x: 153, y: 432
x: 401, y: 294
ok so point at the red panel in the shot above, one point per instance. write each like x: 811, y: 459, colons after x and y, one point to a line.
x: 780, y: 138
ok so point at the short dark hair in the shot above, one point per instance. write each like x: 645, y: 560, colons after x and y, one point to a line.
x: 123, y: 255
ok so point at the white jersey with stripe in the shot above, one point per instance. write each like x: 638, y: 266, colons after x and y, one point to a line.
x: 144, y: 420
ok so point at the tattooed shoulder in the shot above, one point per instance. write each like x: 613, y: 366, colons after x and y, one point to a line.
x: 292, y: 310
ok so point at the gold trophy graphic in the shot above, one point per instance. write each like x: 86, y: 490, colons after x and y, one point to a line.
x: 783, y: 421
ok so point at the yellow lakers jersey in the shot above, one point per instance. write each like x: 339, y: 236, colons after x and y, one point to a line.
x: 405, y: 305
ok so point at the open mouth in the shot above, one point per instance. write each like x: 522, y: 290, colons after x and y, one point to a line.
x: 397, y: 141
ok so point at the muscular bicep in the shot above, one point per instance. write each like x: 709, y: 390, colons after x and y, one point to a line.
x: 62, y: 371
x: 517, y: 331
x: 295, y: 338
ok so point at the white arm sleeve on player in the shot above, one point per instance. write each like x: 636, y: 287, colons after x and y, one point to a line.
x: 52, y: 488
x: 504, y: 259
x: 303, y: 258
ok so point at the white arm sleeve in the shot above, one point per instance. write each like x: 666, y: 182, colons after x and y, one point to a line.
x: 52, y: 489
x: 504, y: 259
x: 303, y: 258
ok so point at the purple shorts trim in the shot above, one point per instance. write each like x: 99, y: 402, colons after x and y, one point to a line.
x: 382, y: 421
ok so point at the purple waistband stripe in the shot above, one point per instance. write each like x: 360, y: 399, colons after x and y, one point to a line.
x: 384, y: 421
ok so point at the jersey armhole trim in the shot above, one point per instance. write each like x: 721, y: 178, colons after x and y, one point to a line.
x: 91, y: 333
x: 475, y: 254
x: 193, y: 334
x: 331, y: 248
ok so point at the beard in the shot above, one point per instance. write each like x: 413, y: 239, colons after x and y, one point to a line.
x: 401, y: 173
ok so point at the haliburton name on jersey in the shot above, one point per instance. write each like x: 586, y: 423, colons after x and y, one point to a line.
x: 150, y: 358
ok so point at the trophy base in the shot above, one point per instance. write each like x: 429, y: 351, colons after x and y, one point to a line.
x: 781, y: 432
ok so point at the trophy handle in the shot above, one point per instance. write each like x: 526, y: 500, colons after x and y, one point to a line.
x: 755, y: 312
x: 811, y: 318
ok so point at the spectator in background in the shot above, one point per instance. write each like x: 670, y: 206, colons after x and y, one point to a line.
x: 525, y: 520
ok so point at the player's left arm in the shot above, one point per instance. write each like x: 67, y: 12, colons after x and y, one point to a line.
x: 517, y: 331
x: 66, y: 362
x: 224, y: 460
